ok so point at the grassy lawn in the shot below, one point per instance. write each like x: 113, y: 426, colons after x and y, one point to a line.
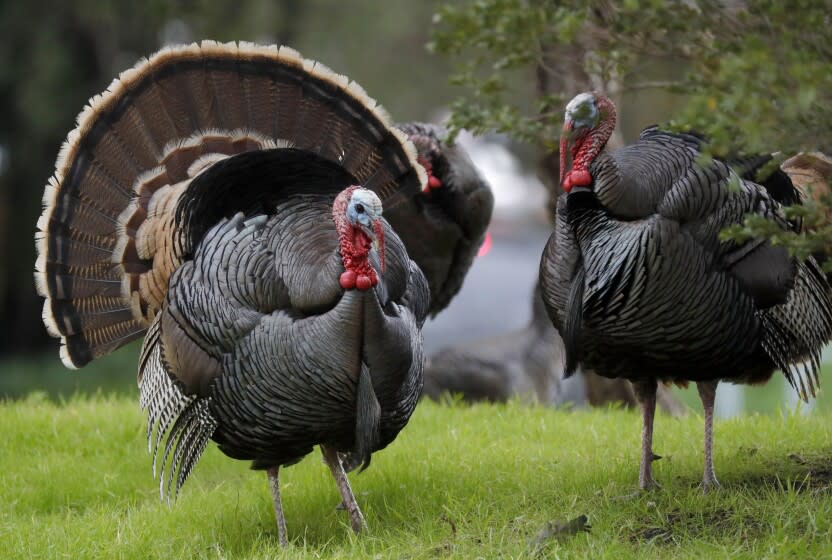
x: 460, y: 481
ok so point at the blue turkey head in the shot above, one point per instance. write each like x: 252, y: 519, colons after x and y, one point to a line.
x: 364, y: 211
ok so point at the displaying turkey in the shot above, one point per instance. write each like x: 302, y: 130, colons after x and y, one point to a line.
x: 225, y: 202
x: 638, y: 282
x: 444, y: 227
x: 811, y: 173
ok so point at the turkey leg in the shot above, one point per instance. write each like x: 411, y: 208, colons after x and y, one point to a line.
x: 334, y: 461
x: 274, y: 484
x: 707, y: 392
x: 645, y: 391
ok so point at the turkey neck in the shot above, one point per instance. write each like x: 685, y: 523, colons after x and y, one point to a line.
x: 354, y: 243
x: 587, y: 148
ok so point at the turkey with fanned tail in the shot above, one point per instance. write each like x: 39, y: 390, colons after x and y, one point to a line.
x: 639, y: 283
x: 225, y: 202
x: 444, y: 227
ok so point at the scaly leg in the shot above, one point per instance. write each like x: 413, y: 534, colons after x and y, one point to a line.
x: 274, y: 484
x: 334, y: 461
x: 645, y: 391
x: 707, y: 392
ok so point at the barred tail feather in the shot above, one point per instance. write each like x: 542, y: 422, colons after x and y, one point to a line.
x: 107, y: 241
x: 184, y: 421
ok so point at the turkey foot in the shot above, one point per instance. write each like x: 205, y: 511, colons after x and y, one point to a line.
x: 274, y: 484
x: 707, y: 393
x: 334, y: 462
x: 645, y: 391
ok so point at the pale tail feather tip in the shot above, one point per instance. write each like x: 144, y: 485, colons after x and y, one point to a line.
x: 65, y: 357
x: 49, y: 321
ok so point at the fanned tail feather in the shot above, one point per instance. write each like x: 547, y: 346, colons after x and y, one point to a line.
x: 107, y: 241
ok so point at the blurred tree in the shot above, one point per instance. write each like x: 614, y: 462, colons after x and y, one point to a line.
x: 51, y: 58
x: 754, y: 76
x: 55, y: 55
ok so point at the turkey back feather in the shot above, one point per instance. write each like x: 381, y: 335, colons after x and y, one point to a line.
x: 108, y: 239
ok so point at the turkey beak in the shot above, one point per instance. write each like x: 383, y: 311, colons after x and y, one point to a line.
x: 566, y: 137
x: 375, y: 232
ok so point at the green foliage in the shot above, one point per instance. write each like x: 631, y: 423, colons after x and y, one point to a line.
x: 812, y: 240
x: 498, y: 43
x: 756, y: 75
x: 77, y: 484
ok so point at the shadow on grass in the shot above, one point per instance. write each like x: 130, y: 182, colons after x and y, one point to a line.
x: 794, y: 474
x: 677, y: 524
x: 797, y: 473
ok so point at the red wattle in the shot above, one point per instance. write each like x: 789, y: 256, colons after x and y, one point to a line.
x: 576, y: 178
x: 363, y: 282
x: 348, y: 280
x: 433, y: 181
x: 486, y: 245
x: 355, y: 247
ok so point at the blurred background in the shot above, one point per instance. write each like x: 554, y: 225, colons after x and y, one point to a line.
x: 56, y: 54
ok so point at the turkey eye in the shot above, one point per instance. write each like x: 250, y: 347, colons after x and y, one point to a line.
x: 359, y: 208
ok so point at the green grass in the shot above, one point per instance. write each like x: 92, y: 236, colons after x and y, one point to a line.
x: 459, y: 482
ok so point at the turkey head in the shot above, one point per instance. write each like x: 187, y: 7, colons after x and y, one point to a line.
x: 444, y: 225
x: 357, y: 216
x: 587, y: 126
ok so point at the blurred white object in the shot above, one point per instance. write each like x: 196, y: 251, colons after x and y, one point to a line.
x: 517, y: 192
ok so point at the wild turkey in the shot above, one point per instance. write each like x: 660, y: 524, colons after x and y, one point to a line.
x: 443, y: 229
x: 208, y: 201
x: 637, y: 280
